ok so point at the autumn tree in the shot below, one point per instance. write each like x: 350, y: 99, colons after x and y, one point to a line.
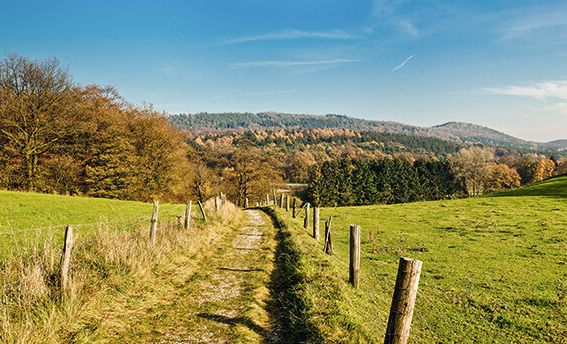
x: 502, y: 178
x: 473, y: 166
x: 544, y: 169
x: 36, y: 107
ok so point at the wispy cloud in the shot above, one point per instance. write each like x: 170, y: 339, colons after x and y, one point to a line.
x: 403, y: 63
x: 294, y: 63
x: 385, y: 8
x: 254, y: 94
x: 550, y: 22
x: 292, y: 34
x: 547, y: 90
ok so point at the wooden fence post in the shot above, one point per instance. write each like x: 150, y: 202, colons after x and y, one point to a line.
x: 294, y: 207
x: 282, y: 200
x: 316, y: 223
x: 403, y: 302
x: 153, y: 223
x: 354, y: 267
x: 188, y: 215
x: 217, y: 204
x: 287, y: 203
x: 202, y: 211
x: 246, y: 202
x: 275, y: 198
x: 267, y: 199
x: 307, y: 213
x: 66, y: 258
x: 328, y: 242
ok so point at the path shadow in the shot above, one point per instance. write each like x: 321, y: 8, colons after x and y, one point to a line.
x: 235, y: 321
x: 241, y: 270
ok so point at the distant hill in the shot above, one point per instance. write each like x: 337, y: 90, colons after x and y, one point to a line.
x: 455, y: 131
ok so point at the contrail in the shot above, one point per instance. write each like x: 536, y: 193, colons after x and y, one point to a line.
x: 403, y: 63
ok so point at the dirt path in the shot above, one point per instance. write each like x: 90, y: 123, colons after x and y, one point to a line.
x: 226, y: 300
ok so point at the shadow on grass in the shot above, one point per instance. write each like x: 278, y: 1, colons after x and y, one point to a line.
x: 288, y: 310
x: 236, y: 321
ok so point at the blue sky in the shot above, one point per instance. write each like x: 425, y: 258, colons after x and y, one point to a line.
x: 501, y: 64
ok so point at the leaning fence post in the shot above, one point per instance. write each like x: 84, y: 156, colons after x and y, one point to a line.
x: 328, y: 242
x: 188, y: 215
x: 287, y: 203
x: 66, y: 258
x: 316, y: 223
x: 202, y: 211
x: 307, y: 213
x: 354, y: 267
x: 294, y: 207
x: 153, y: 223
x: 403, y: 301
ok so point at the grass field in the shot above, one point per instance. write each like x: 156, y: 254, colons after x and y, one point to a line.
x: 22, y: 211
x: 495, y: 267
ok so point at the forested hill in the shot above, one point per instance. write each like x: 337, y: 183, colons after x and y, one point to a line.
x: 460, y: 132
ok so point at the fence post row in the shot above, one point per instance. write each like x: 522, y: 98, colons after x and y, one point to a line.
x: 316, y: 223
x: 66, y: 258
x: 188, y: 215
x: 153, y: 223
x: 307, y: 213
x: 328, y: 243
x: 202, y: 211
x: 354, y: 266
x: 403, y: 301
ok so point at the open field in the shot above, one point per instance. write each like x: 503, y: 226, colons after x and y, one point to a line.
x: 495, y: 268
x: 24, y: 212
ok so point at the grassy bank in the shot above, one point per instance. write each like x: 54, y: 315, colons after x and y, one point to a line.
x: 495, y: 268
x: 111, y: 271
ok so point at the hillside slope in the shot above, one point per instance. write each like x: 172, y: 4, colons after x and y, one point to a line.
x: 456, y: 131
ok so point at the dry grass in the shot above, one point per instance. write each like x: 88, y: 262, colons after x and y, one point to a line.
x: 104, y: 267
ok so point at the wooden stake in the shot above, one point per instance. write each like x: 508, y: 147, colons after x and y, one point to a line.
x: 66, y: 258
x: 188, y: 215
x: 153, y: 223
x: 328, y: 243
x: 282, y: 200
x: 307, y: 213
x: 354, y: 267
x: 246, y: 203
x: 294, y: 207
x: 202, y: 211
x: 287, y: 203
x: 316, y: 223
x: 267, y: 199
x: 403, y: 301
x: 217, y: 204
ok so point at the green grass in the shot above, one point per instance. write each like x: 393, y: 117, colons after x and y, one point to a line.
x: 22, y: 211
x: 495, y: 266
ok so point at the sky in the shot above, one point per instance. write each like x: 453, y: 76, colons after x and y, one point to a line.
x: 500, y: 64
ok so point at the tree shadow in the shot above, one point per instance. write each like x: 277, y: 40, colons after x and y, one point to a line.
x: 236, y: 321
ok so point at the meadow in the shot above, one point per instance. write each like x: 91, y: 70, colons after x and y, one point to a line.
x: 494, y: 268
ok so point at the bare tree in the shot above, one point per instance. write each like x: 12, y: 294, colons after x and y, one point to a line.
x: 473, y: 165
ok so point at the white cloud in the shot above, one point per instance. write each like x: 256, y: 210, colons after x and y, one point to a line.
x: 292, y: 34
x: 294, y: 63
x: 547, y: 90
x: 548, y: 23
x: 403, y: 63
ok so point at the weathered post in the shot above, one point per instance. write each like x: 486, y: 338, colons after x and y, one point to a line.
x: 316, y: 223
x: 246, y: 202
x: 287, y: 203
x: 275, y: 198
x: 307, y: 213
x: 202, y: 211
x: 282, y: 200
x: 267, y: 199
x: 328, y: 243
x: 294, y: 207
x: 66, y: 258
x: 217, y: 204
x: 403, y: 301
x: 153, y: 223
x: 188, y: 215
x: 354, y: 267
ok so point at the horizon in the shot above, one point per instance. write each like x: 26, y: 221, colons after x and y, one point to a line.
x: 498, y: 65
